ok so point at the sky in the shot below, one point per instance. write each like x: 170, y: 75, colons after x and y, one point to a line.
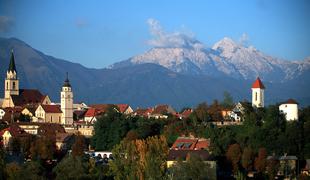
x: 99, y: 33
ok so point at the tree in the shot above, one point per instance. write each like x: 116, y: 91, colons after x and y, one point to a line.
x: 247, y: 159
x: 193, y: 168
x: 78, y: 146
x: 13, y: 171
x: 215, y: 111
x: 142, y: 159
x: 228, y: 101
x: 200, y: 114
x: 261, y: 161
x: 43, y: 148
x: 2, y: 163
x: 233, y: 154
x: 71, y: 168
x: 272, y: 168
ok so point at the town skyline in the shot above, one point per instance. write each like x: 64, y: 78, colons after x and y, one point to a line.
x: 105, y: 37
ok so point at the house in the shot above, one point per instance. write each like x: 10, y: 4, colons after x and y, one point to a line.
x: 191, y: 143
x: 11, y: 114
x: 29, y: 111
x: 226, y: 114
x: 50, y: 129
x: 86, y: 130
x: 238, y: 111
x: 290, y: 109
x: 49, y: 113
x: 162, y: 111
x: 185, y: 114
x: 91, y: 115
x: 143, y: 112
x: 124, y: 108
x: 13, y: 131
x: 29, y: 127
x: 80, y: 106
x: 79, y: 115
x: 288, y: 165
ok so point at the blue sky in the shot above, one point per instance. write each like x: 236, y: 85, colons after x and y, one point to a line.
x: 99, y: 33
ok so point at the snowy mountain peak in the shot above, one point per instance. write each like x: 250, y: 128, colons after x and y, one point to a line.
x: 225, y: 44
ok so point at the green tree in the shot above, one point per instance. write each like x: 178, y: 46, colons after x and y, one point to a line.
x: 228, y: 101
x: 193, y: 168
x: 71, y: 168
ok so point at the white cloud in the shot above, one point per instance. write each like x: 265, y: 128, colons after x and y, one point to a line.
x: 174, y: 39
x: 6, y: 23
x: 244, y: 39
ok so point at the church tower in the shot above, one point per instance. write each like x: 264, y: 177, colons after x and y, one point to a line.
x: 66, y: 97
x: 11, y: 84
x: 258, y: 93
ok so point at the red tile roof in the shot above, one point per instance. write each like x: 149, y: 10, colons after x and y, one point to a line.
x: 188, y: 143
x: 183, y: 154
x: 27, y: 96
x: 92, y: 112
x: 143, y: 112
x: 101, y: 107
x: 258, y: 84
x: 290, y: 101
x: 51, y: 108
x: 122, y: 107
x: 186, y: 113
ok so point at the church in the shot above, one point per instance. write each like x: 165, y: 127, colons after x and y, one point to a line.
x: 46, y: 111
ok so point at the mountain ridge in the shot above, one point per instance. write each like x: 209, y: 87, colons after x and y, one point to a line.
x: 140, y: 85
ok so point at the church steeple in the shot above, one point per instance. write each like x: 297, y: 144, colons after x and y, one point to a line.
x: 12, y: 67
x: 67, y: 82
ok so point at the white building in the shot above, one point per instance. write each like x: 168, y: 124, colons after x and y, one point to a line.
x: 289, y: 109
x: 66, y: 98
x: 258, y: 93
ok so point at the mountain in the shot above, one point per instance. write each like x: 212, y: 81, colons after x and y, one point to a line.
x: 147, y: 83
x: 225, y: 58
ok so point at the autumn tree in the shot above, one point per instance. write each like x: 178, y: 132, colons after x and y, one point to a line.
x: 142, y: 159
x: 79, y: 146
x: 233, y: 154
x: 43, y: 148
x: 247, y: 159
x: 215, y: 111
x: 261, y: 161
x: 228, y: 101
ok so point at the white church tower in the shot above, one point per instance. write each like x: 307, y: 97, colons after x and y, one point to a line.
x: 11, y: 84
x: 258, y: 93
x: 67, y: 103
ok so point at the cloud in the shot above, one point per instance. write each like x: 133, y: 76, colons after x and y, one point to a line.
x: 6, y: 23
x: 244, y: 39
x: 81, y: 23
x: 160, y: 38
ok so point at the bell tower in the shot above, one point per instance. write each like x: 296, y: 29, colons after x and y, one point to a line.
x: 258, y: 93
x: 66, y: 97
x: 11, y: 83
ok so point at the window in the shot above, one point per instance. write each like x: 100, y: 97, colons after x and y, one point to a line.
x: 14, y: 85
x: 7, y: 85
x: 255, y: 96
x: 51, y: 118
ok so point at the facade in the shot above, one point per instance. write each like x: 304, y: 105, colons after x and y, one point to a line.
x: 124, y: 108
x: 66, y: 103
x: 289, y: 109
x: 258, y: 89
x: 49, y: 114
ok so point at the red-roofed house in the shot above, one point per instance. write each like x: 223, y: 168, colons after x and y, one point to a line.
x: 48, y: 113
x: 124, y: 108
x: 190, y: 143
x: 185, y: 114
x: 143, y: 112
x: 91, y: 115
x: 162, y: 111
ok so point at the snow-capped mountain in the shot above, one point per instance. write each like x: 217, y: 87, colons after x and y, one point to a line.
x: 225, y: 58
